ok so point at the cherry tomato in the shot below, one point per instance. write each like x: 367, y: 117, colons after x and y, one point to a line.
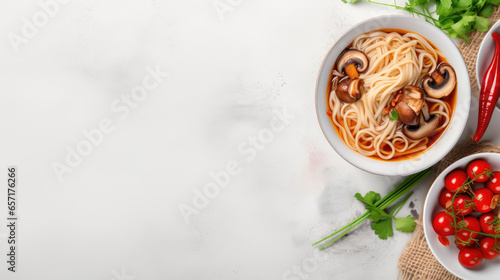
x: 465, y: 235
x: 445, y: 198
x: 470, y: 257
x: 484, y: 200
x: 460, y: 246
x: 454, y: 180
x: 462, y: 205
x: 476, y: 169
x: 489, y: 247
x: 486, y: 224
x: 442, y: 224
x: 494, y: 183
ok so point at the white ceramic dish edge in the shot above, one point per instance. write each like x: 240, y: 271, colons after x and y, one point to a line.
x: 485, y: 53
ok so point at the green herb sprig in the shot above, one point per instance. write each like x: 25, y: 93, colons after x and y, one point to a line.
x: 455, y: 17
x: 375, y: 205
x: 393, y: 115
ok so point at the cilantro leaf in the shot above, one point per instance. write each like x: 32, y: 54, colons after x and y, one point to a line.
x: 383, y: 228
x: 446, y: 4
x: 394, y: 115
x: 468, y: 18
x: 482, y: 24
x: 442, y: 11
x: 452, y: 33
x: 370, y: 198
x: 446, y: 23
x: 487, y: 10
x: 423, y: 3
x: 464, y: 26
x: 464, y: 4
x: 406, y: 224
x: 376, y: 214
x: 411, y: 4
x: 494, y: 2
x: 418, y: 3
x: 480, y: 3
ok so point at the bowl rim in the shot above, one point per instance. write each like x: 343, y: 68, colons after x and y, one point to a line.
x: 487, y: 36
x: 426, y: 207
x: 446, y: 150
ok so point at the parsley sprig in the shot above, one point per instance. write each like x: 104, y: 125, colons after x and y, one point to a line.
x: 375, y: 206
x: 383, y: 227
x: 456, y: 17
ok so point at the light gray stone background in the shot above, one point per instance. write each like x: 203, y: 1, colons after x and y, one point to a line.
x: 178, y: 140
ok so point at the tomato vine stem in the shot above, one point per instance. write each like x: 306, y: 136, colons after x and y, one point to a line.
x: 467, y: 187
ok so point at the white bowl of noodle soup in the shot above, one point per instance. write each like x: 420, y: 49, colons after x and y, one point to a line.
x: 455, y: 119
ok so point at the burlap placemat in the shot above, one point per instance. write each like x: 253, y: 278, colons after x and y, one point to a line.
x: 469, y: 51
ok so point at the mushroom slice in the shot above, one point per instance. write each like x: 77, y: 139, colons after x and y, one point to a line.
x: 352, y: 62
x: 423, y: 129
x: 409, y: 105
x: 335, y: 82
x: 356, y: 88
x: 441, y: 82
x: 349, y: 91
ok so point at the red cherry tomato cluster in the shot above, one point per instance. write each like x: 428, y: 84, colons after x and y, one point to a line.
x: 470, y: 199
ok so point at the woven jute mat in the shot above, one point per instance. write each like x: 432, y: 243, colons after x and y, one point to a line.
x: 417, y: 262
x: 469, y: 51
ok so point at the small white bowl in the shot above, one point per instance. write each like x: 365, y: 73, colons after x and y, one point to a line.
x: 485, y: 53
x: 458, y: 120
x: 448, y: 256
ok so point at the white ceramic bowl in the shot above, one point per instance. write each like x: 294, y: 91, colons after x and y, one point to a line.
x: 448, y: 256
x: 485, y: 53
x: 458, y: 121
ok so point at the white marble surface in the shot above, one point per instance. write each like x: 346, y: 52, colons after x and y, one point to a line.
x: 233, y: 67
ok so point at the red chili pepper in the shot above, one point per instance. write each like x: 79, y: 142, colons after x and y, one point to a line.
x: 490, y: 90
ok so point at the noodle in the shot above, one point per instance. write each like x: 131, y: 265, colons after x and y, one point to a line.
x: 396, y: 60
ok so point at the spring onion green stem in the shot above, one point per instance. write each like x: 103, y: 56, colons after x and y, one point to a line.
x: 400, y: 205
x: 381, y: 204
